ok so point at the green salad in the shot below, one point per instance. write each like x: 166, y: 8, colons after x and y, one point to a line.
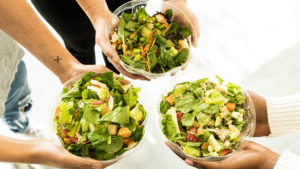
x: 203, y: 117
x: 151, y: 43
x: 99, y: 116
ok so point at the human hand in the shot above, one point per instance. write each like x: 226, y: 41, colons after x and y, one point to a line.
x: 262, y: 124
x: 185, y: 18
x: 78, y: 69
x: 101, y: 16
x: 104, y: 42
x: 254, y: 156
x: 49, y: 153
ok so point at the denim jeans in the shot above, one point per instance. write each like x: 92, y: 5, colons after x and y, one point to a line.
x: 18, y: 102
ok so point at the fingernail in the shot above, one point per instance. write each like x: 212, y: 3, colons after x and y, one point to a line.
x: 189, y: 162
x: 97, y: 166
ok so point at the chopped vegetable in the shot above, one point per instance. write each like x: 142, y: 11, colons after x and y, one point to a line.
x: 209, y: 117
x: 151, y: 43
x: 100, y: 117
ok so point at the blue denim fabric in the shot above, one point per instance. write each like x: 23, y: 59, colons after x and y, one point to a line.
x: 18, y: 102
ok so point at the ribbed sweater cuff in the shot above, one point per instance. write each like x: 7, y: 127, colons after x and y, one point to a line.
x: 288, y: 160
x: 283, y: 114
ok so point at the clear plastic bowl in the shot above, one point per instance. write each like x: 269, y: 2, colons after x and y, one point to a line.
x: 55, y: 138
x: 133, y: 6
x: 245, y: 135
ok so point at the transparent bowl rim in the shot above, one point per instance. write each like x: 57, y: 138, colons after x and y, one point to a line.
x: 57, y: 141
x: 137, y: 4
x: 242, y: 142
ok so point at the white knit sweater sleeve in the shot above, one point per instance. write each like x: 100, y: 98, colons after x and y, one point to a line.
x: 283, y: 114
x: 288, y: 160
x: 284, y: 118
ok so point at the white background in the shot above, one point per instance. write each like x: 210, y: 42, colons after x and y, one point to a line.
x: 250, y: 42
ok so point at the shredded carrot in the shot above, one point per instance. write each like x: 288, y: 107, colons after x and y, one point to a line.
x: 131, y: 50
x: 124, y: 49
x: 165, y: 31
x: 150, y: 40
x: 181, y: 49
x: 133, y: 34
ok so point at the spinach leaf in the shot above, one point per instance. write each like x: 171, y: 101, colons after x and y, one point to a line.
x: 184, y: 31
x: 181, y: 57
x: 169, y: 13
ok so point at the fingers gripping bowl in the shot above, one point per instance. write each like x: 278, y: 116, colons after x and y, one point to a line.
x: 151, y: 45
x: 206, y: 119
x: 99, y: 116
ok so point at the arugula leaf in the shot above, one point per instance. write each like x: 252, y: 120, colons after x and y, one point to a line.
x: 181, y: 57
x: 151, y: 56
x: 119, y: 115
x: 173, y: 28
x: 127, y: 16
x: 142, y: 15
x: 184, y: 31
x: 132, y: 63
x: 121, y: 29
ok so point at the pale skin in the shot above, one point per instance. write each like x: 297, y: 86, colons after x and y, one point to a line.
x: 99, y: 14
x: 254, y: 156
x: 18, y: 20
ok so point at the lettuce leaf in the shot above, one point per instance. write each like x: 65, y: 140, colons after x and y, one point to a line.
x: 187, y: 119
x: 215, y: 97
x: 119, y: 115
x: 202, y: 118
x: 65, y: 116
x: 168, y: 127
x: 131, y: 96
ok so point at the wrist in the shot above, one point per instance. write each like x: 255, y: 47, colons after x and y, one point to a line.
x: 94, y: 9
x: 268, y: 160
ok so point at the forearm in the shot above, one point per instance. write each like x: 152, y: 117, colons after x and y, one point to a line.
x: 94, y: 8
x: 19, y: 151
x: 18, y: 20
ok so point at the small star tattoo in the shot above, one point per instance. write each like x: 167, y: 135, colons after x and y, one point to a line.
x: 58, y: 59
